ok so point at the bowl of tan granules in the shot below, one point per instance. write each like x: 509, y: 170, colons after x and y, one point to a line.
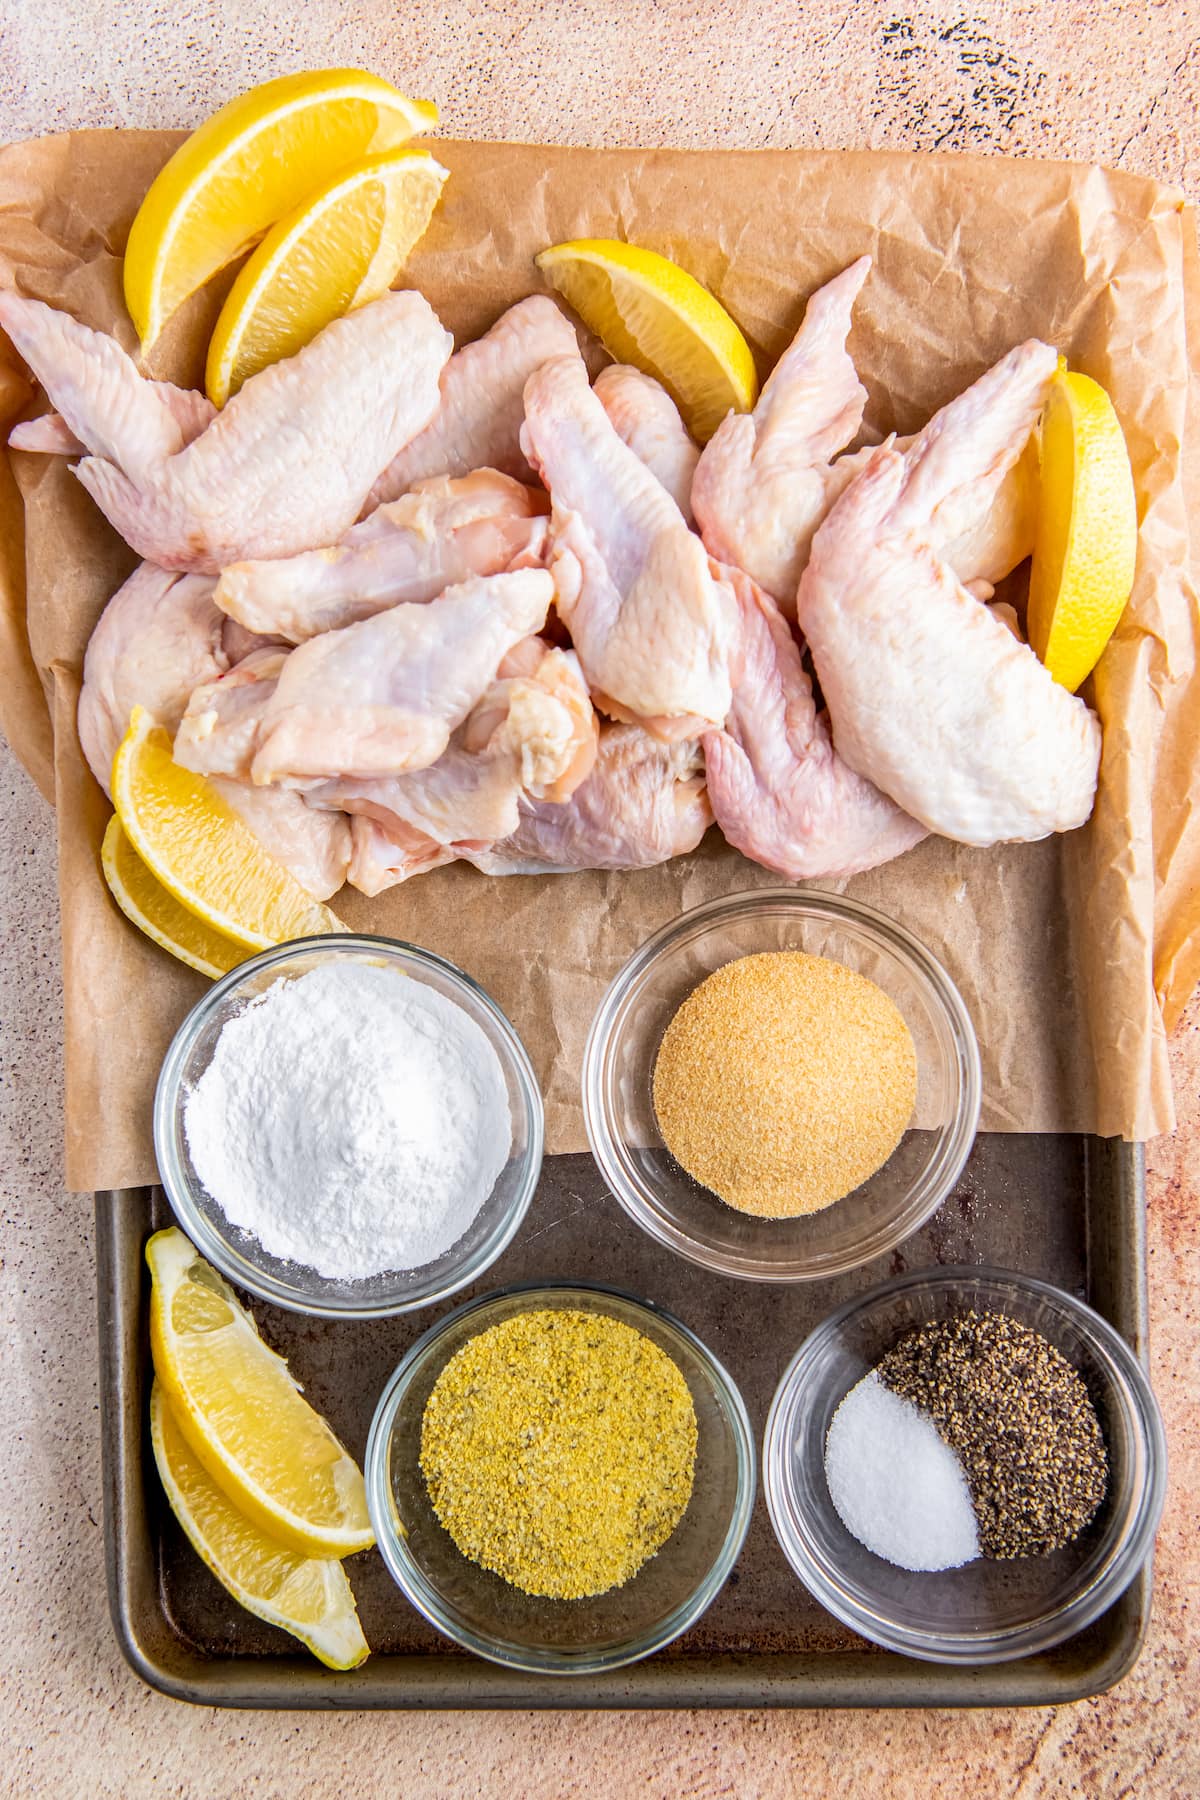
x: 781, y: 1085
x: 965, y: 1465
x: 560, y: 1477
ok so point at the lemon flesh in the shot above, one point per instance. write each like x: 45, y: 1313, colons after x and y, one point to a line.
x: 306, y: 1595
x: 203, y: 854
x: 648, y: 311
x: 147, y: 904
x: 1086, y: 543
x: 341, y: 247
x: 253, y: 161
x: 242, y: 1415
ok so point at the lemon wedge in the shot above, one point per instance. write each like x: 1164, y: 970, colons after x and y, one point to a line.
x: 306, y: 1595
x: 202, y: 853
x: 1086, y: 542
x: 648, y: 311
x: 338, y: 249
x: 243, y: 1416
x: 145, y: 901
x: 253, y: 161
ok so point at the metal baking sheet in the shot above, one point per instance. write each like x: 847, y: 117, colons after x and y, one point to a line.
x: 1069, y: 1209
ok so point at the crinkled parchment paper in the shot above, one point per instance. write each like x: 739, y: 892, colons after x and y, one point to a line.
x: 1070, y: 953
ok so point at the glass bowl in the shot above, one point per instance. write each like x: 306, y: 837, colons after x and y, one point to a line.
x: 482, y: 1612
x: 293, y: 1285
x: 618, y: 1068
x: 984, y: 1612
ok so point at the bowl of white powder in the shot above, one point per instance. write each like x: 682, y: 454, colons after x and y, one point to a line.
x: 348, y: 1126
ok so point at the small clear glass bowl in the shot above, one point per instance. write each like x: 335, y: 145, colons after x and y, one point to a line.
x: 984, y: 1612
x: 293, y: 1285
x: 618, y: 1071
x: 482, y: 1612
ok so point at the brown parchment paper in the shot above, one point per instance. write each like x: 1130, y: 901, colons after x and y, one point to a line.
x: 1057, y: 946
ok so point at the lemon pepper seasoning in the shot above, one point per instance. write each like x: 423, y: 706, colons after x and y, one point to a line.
x: 558, y: 1449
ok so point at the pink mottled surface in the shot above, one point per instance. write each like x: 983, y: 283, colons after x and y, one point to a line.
x: 1093, y: 79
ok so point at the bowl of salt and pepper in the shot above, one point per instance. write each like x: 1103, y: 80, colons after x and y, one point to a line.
x: 962, y: 1465
x: 966, y: 1465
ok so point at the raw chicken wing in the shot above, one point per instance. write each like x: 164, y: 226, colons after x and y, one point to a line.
x: 478, y: 421
x: 643, y: 803
x: 284, y: 467
x: 409, y: 550
x: 240, y: 643
x: 930, y: 695
x: 218, y: 734
x: 50, y: 435
x: 159, y: 637
x: 761, y: 486
x: 992, y: 543
x: 767, y: 479
x: 314, y: 845
x: 383, y: 697
x: 555, y: 726
x: 381, y: 856
x: 645, y: 417
x: 523, y: 740
x: 779, y: 790
x: 653, y: 631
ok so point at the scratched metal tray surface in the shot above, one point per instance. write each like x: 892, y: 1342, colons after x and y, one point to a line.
x: 1070, y: 1209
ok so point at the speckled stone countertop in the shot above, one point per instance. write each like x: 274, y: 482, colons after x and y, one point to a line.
x: 1092, y: 79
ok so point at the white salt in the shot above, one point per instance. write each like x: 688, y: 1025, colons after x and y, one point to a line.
x: 896, y: 1486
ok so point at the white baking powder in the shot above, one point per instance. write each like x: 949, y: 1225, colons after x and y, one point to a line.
x: 351, y: 1119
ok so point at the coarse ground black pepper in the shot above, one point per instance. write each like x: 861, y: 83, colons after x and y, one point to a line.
x: 1019, y: 1417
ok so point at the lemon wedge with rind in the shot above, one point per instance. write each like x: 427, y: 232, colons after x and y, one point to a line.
x: 648, y: 311
x: 306, y: 1595
x: 1086, y: 543
x: 147, y: 904
x: 242, y: 1414
x: 203, y: 854
x: 244, y: 168
x: 340, y: 248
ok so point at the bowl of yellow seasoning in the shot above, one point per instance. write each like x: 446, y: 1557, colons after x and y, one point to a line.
x: 560, y: 1477
x: 781, y: 1085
